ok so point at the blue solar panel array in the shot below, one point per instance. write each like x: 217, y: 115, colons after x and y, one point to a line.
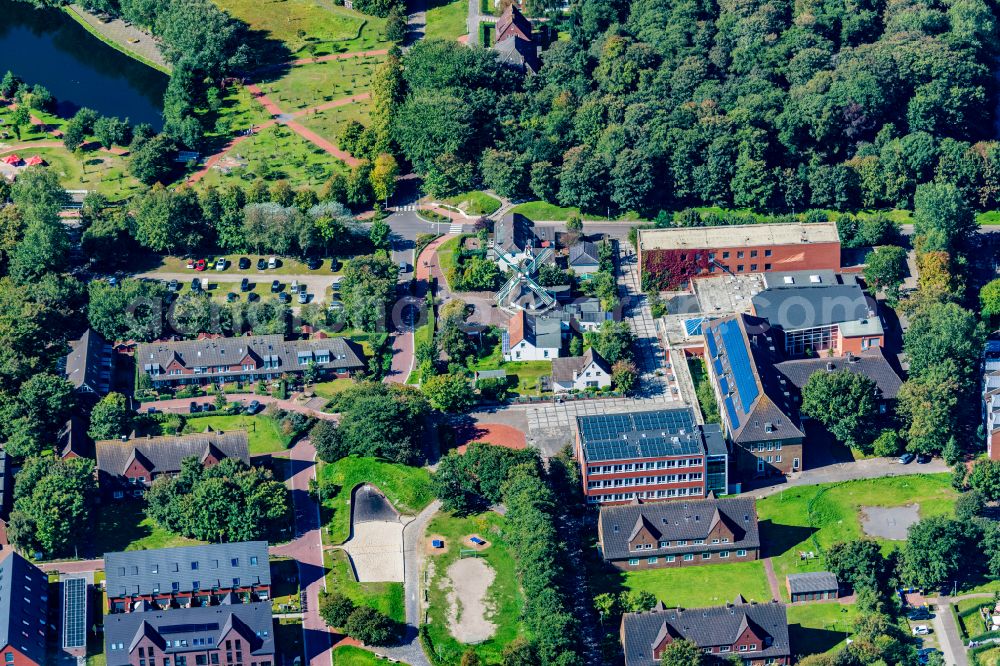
x: 740, y: 363
x: 723, y: 385
x: 74, y: 613
x: 734, y: 420
x: 693, y: 326
x: 710, y: 341
x: 636, y: 435
x: 718, y: 368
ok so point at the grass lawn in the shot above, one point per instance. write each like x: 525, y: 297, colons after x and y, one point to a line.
x: 408, y: 488
x: 692, y: 587
x: 387, y: 598
x: 446, y: 254
x: 504, y: 599
x: 475, y: 203
x: 275, y: 153
x: 528, y: 374
x: 330, y: 123
x: 446, y: 20
x: 284, y: 586
x: 812, y: 518
x: 263, y: 432
x: 989, y: 657
x: 818, y: 628
x: 989, y: 217
x: 348, y: 655
x: 329, y: 389
x: 305, y: 86
x: 309, y: 27
x: 123, y: 525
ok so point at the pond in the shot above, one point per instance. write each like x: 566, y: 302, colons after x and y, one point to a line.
x: 48, y: 47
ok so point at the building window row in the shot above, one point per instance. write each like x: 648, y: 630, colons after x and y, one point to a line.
x: 638, y: 467
x: 694, y: 491
x: 689, y: 557
x: 645, y: 481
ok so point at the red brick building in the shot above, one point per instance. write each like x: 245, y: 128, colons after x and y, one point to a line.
x: 670, y: 257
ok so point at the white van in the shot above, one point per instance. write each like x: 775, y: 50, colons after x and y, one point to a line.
x: 272, y: 262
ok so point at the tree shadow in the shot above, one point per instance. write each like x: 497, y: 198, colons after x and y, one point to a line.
x: 778, y: 539
x: 810, y: 640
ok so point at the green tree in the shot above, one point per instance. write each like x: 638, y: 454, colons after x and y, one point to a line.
x: 20, y: 118
x: 366, y: 289
x: 845, y: 403
x: 942, y: 217
x: 130, y: 310
x: 888, y: 443
x: 624, y: 376
x: 944, y: 331
x: 574, y: 223
x: 169, y: 220
x: 682, y: 652
x: 379, y: 235
x: 470, y: 658
x: 928, y: 403
x: 449, y: 393
x: 53, y: 504
x: 370, y: 626
x: 859, y: 564
x: 382, y: 420
x: 78, y: 127
x: 612, y: 340
x: 637, y: 601
x: 330, y: 447
x: 335, y: 609
x: 989, y: 299
x: 985, y: 477
x: 969, y: 505
x: 110, y: 418
x: 885, y: 270
x: 152, y: 159
x: 941, y: 550
x: 111, y: 131
x: 383, y: 176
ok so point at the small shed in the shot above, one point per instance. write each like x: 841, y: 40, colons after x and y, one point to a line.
x: 491, y: 374
x: 812, y: 586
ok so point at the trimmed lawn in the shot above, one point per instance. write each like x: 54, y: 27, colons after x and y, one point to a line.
x: 528, y: 374
x: 330, y: 123
x: 700, y: 586
x: 446, y: 20
x: 285, y: 586
x: 310, y: 27
x: 348, y: 655
x: 408, y: 488
x: 475, y: 203
x: 820, y: 627
x: 504, y: 599
x: 123, y: 525
x: 812, y: 518
x: 387, y: 598
x: 446, y: 254
x: 275, y: 153
x: 329, y: 389
x: 305, y: 86
x: 540, y: 210
x: 263, y: 432
x: 988, y: 218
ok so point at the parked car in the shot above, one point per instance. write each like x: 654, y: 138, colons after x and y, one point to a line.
x: 295, y: 287
x: 303, y: 296
x: 921, y: 630
x: 208, y: 407
x: 172, y: 285
x: 151, y: 410
x: 220, y: 264
x: 252, y: 297
x: 402, y: 266
x: 923, y: 459
x: 113, y: 281
x: 231, y: 297
x: 283, y: 297
x: 312, y: 263
x: 920, y: 614
x: 275, y: 286
x: 200, y: 265
x: 193, y: 407
x: 272, y: 262
x: 906, y: 458
x: 253, y: 407
x: 244, y: 263
x: 335, y: 286
x: 261, y: 264
x: 245, y: 284
x: 195, y: 284
x: 334, y: 264
x: 190, y: 263
x: 335, y: 305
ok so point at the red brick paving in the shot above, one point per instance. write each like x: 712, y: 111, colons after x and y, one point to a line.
x: 492, y: 433
x: 319, y: 141
x: 360, y: 97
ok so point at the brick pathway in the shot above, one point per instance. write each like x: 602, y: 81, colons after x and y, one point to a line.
x: 772, y: 579
x: 320, y: 142
x: 183, y: 405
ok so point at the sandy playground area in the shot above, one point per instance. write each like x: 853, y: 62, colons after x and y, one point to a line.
x: 376, y: 544
x: 470, y: 578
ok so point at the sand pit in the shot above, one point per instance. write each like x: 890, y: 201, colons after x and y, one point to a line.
x: 468, y: 544
x: 470, y: 579
x: 429, y: 545
x: 889, y: 522
x: 376, y: 544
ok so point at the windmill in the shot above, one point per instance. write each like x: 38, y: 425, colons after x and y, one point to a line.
x: 521, y: 291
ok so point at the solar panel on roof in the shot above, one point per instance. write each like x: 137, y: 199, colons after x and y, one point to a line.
x: 710, y: 341
x: 734, y: 420
x: 693, y: 326
x: 740, y: 363
x: 724, y: 385
x: 75, y: 613
x: 718, y: 367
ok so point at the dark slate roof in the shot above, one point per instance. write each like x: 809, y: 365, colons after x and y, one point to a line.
x: 184, y: 625
x: 809, y: 306
x: 514, y: 232
x: 583, y: 253
x: 85, y: 364
x: 543, y: 332
x: 814, y: 581
x: 73, y: 439
x: 19, y: 579
x: 166, y: 453
x: 871, y: 363
x: 753, y: 403
x: 564, y: 367
x: 139, y: 572
x: 653, y: 434
x: 706, y: 627
x: 230, y: 351
x: 678, y: 520
x: 6, y: 485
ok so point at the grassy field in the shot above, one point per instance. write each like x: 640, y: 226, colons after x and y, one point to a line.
x: 329, y: 389
x: 408, y: 488
x: 446, y: 20
x: 474, y: 203
x: 275, y: 153
x: 988, y: 218
x: 263, y: 432
x: 349, y: 655
x: 285, y: 586
x: 310, y: 27
x: 330, y: 123
x: 819, y: 628
x: 504, y: 599
x: 305, y: 86
x: 446, y: 254
x: 691, y: 587
x: 812, y: 518
x: 385, y: 597
x: 528, y: 372
x: 123, y: 525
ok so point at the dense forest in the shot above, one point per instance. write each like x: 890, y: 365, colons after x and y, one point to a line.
x: 776, y: 105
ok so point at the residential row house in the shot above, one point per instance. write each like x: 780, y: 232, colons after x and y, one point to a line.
x: 661, y: 535
x: 128, y: 466
x: 187, y: 576
x: 245, y: 359
x: 24, y: 607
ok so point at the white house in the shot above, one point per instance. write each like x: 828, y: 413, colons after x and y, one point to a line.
x: 580, y: 372
x: 531, y: 338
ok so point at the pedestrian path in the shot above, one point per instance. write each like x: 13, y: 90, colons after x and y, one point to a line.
x: 455, y: 229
